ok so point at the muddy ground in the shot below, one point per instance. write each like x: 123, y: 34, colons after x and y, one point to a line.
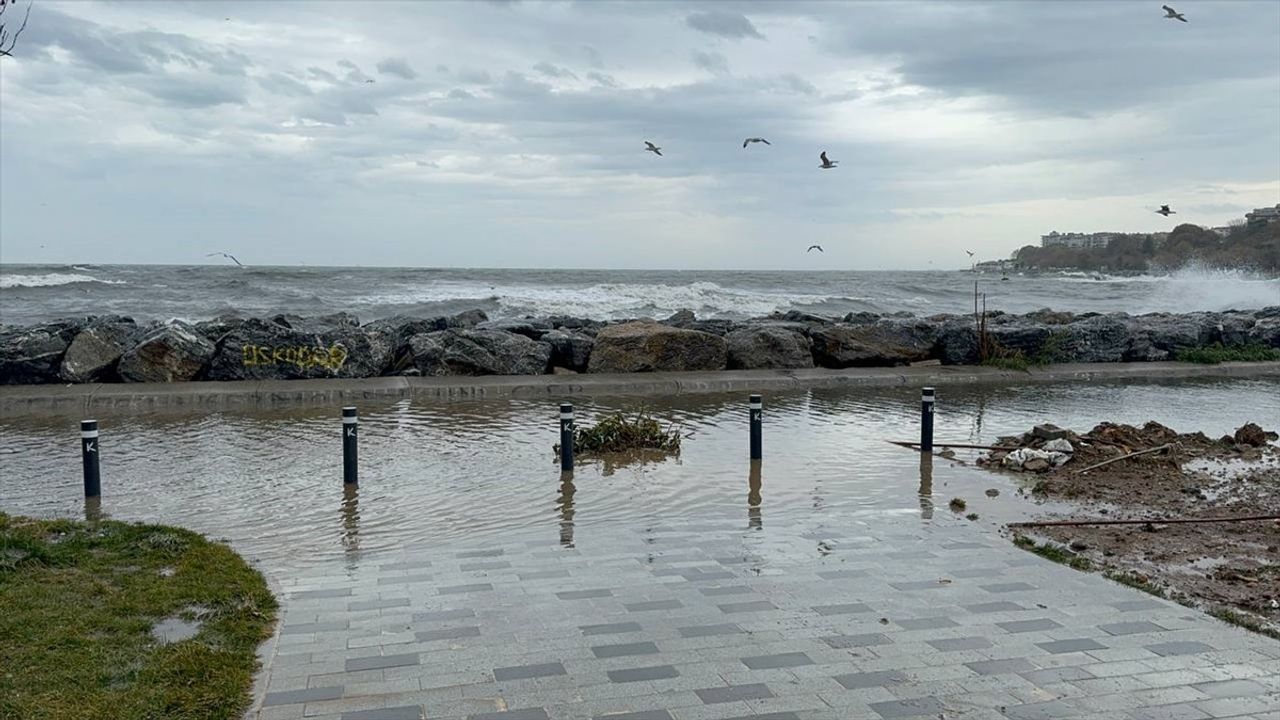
x: 1231, y: 569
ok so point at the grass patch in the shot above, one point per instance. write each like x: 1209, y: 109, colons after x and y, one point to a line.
x: 1056, y: 553
x: 1217, y: 353
x: 957, y: 505
x: 619, y: 433
x: 1136, y: 581
x: 1248, y: 622
x: 1014, y: 360
x: 80, y: 600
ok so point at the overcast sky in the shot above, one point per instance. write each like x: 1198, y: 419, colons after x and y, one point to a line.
x: 511, y: 134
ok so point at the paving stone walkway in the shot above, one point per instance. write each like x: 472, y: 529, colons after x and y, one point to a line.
x: 890, y: 618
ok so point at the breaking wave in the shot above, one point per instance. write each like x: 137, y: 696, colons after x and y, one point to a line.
x: 51, y: 279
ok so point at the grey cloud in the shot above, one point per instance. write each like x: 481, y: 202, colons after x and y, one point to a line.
x: 518, y: 85
x: 712, y: 62
x: 795, y: 83
x: 398, y: 67
x: 195, y: 91
x: 460, y: 94
x: 554, y: 71
x: 602, y: 79
x: 281, y: 84
x: 473, y: 76
x: 724, y: 24
x: 442, y: 68
x: 333, y: 106
x: 593, y: 56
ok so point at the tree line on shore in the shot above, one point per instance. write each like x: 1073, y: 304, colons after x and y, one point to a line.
x: 1255, y: 248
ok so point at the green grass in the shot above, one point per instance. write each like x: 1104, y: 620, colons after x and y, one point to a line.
x: 1056, y: 553
x: 1136, y: 581
x: 1216, y: 353
x: 79, y: 601
x: 1248, y: 622
x: 1014, y: 361
x: 957, y: 505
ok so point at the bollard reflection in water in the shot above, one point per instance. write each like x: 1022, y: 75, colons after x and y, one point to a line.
x: 351, y: 518
x: 754, y: 519
x: 93, y: 508
x: 564, y: 502
x: 926, y: 485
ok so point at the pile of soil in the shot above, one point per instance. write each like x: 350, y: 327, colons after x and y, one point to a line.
x: 1220, y: 566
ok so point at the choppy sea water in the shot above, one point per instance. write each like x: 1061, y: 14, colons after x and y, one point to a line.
x: 440, y: 472
x: 33, y: 293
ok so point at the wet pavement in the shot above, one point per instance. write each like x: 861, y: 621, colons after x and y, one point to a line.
x: 738, y: 619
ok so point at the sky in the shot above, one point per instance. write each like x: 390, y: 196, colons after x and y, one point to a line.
x: 511, y: 134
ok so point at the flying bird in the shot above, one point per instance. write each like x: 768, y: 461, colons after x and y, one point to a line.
x: 370, y: 80
x: 815, y: 247
x: 1165, y: 211
x: 748, y: 141
x: 970, y: 252
x: 826, y: 163
x: 227, y: 255
x: 650, y: 147
x: 1171, y: 14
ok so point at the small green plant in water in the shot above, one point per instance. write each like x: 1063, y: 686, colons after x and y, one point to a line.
x: 1217, y: 353
x: 957, y: 505
x: 619, y: 433
x: 1056, y: 553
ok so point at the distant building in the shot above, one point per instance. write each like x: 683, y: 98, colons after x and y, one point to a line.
x: 1262, y: 216
x: 1091, y: 241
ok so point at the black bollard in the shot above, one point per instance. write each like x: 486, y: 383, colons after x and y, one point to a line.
x: 926, y: 420
x: 350, y: 452
x: 757, y: 419
x: 89, y: 453
x: 566, y: 437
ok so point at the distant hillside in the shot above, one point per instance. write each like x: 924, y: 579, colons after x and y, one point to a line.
x: 1257, y: 248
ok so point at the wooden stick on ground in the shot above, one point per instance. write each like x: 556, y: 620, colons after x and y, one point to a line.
x: 962, y: 446
x: 1174, y: 521
x: 1095, y: 466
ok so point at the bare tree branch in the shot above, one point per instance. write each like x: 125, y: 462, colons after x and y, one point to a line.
x: 5, y: 38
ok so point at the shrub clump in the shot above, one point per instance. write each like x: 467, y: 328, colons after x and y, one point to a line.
x: 1217, y: 353
x: 620, y: 433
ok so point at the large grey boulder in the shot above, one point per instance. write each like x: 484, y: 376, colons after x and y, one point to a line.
x: 213, y: 330
x: 532, y: 328
x: 647, y: 346
x: 474, y: 352
x: 1102, y: 338
x: 172, y: 353
x: 34, y: 355
x: 317, y: 324
x: 883, y: 344
x: 1159, y: 336
x: 268, y: 350
x: 1266, y: 330
x: 96, y: 350
x: 768, y: 347
x: 570, y: 350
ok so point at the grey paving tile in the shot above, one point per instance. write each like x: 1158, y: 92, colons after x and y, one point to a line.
x: 522, y: 714
x: 378, y: 662
x: 405, y: 712
x: 452, y: 633
x: 744, y: 607
x: 543, y: 575
x: 1179, y: 711
x: 841, y: 609
x: 733, y: 693
x: 1053, y: 676
x: 878, y: 678
x: 1022, y: 626
x: 642, y: 715
x: 697, y: 631
x: 1232, y: 688
x: 381, y: 604
x: 842, y: 574
x: 328, y: 593
x: 1001, y: 667
x: 584, y: 594
x: 468, y: 588
x: 1132, y: 605
x: 932, y: 623
x: 651, y: 605
x: 494, y: 565
x: 842, y: 642
x: 1043, y: 711
x: 1075, y: 645
x: 405, y: 579
x: 778, y: 660
x: 913, y: 707
x: 610, y: 628
x: 491, y: 552
x: 964, y: 643
x: 406, y: 565
x: 768, y: 716
x: 624, y: 649
x: 1008, y: 587
x: 726, y: 590
x: 316, y: 627
x: 1178, y: 647
x: 523, y: 672
x: 1131, y: 628
x: 640, y: 674
x: 918, y: 585
x: 993, y: 607
x: 290, y: 697
x: 441, y: 615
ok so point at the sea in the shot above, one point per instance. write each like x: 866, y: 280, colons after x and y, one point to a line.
x: 36, y: 293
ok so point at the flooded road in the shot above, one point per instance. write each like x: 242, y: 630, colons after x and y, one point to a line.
x: 271, y: 481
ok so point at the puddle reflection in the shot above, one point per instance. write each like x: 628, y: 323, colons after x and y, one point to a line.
x: 926, y: 485
x: 351, y: 520
x: 755, y: 520
x: 564, y: 502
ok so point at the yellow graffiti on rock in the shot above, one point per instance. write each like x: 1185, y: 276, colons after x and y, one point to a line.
x: 303, y: 357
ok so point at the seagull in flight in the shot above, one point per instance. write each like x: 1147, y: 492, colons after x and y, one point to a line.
x: 1171, y: 14
x: 650, y: 147
x: 815, y: 247
x: 826, y: 163
x: 370, y: 81
x: 1165, y: 211
x: 970, y: 252
x: 748, y: 141
x: 227, y: 255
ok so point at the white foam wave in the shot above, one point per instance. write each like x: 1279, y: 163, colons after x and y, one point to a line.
x: 606, y: 301
x: 51, y: 279
x: 1194, y: 289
